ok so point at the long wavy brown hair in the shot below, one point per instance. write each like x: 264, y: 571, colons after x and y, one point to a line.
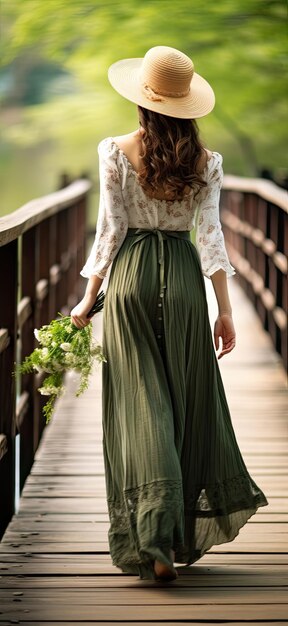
x: 172, y: 155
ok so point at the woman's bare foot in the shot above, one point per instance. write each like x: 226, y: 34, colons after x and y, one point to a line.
x: 165, y: 572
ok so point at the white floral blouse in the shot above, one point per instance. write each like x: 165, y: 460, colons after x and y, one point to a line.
x: 124, y: 204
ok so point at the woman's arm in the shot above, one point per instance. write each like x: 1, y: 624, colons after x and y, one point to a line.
x: 79, y: 313
x: 112, y: 224
x: 223, y: 326
x: 220, y: 286
x: 212, y: 251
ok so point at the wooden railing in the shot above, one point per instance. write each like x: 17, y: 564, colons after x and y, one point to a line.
x: 42, y: 249
x: 254, y: 215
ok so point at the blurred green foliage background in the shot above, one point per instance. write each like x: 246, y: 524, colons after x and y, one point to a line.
x: 57, y: 104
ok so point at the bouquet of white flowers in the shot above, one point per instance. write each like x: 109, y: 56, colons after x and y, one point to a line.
x: 63, y: 347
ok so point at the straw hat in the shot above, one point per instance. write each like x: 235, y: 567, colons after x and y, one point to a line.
x: 163, y: 81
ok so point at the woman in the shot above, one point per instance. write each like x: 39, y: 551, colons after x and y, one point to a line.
x: 175, y: 478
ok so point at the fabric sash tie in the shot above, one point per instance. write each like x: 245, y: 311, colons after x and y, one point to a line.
x: 162, y: 235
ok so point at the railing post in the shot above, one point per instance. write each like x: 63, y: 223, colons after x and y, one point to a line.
x: 41, y: 314
x: 42, y: 272
x: 62, y: 261
x: 26, y: 422
x: 52, y: 263
x: 8, y: 318
x: 73, y: 269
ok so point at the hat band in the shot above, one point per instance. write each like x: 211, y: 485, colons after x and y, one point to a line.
x: 156, y: 96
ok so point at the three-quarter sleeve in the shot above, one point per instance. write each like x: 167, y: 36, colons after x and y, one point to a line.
x: 112, y: 223
x: 210, y: 241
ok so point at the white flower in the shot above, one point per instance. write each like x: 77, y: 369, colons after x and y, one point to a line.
x: 45, y: 338
x: 70, y: 359
x: 45, y: 352
x: 65, y: 346
x: 36, y: 334
x: 50, y: 390
x: 44, y: 391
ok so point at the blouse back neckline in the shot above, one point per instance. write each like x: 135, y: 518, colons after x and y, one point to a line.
x: 132, y: 169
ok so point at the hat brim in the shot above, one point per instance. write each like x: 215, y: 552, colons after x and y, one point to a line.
x: 125, y: 78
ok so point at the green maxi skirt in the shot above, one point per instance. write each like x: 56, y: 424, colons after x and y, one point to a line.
x: 175, y: 477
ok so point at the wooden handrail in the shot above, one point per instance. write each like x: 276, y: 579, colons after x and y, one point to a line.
x: 15, y: 224
x: 263, y: 188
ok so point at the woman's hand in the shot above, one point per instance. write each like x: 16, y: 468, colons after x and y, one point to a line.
x: 79, y: 313
x: 224, y: 328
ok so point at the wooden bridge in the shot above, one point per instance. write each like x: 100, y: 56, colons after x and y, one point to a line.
x: 55, y: 565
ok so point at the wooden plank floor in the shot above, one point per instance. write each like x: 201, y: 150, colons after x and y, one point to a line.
x: 55, y: 565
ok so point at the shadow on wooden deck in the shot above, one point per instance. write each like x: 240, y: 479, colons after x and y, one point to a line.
x: 55, y: 565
